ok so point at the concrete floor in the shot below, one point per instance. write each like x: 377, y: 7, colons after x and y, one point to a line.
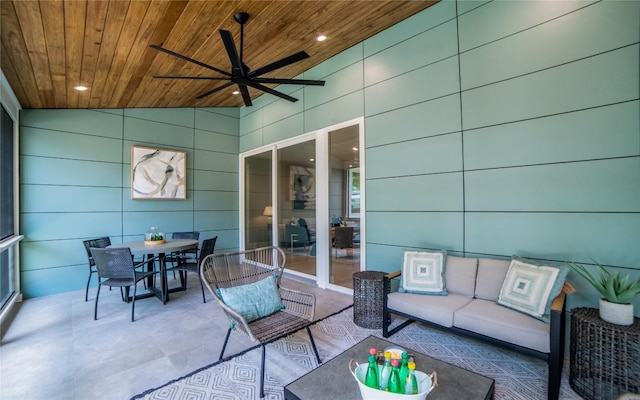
x: 53, y: 349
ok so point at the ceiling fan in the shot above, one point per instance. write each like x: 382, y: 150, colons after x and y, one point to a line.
x: 241, y: 74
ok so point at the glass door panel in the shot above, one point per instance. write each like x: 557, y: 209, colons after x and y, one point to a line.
x: 344, y: 205
x: 297, y: 206
x: 258, y: 209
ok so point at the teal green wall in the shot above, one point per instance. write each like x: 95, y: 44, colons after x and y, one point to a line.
x: 491, y: 129
x: 75, y: 184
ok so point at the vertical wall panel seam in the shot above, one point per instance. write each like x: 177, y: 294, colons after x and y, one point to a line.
x: 122, y: 184
x: 464, y: 209
x: 193, y: 169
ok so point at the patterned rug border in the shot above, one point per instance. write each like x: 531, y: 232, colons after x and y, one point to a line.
x: 146, y: 392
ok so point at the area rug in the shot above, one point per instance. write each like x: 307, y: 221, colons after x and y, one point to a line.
x: 517, y: 377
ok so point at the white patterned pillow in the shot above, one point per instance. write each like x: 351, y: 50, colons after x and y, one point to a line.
x: 529, y: 288
x: 423, y: 273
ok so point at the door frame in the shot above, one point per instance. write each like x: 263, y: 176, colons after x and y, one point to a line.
x: 323, y: 249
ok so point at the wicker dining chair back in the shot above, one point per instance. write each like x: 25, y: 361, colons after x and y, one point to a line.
x: 181, y: 256
x: 88, y: 244
x: 116, y: 269
x: 249, y: 266
x: 186, y: 265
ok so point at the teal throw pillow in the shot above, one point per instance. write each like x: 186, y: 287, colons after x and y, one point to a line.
x: 530, y: 287
x: 423, y: 273
x: 253, y: 300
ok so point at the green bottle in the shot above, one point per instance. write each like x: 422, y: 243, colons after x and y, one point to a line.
x: 404, y: 368
x: 411, y: 387
x: 371, y: 379
x: 386, y: 371
x: 395, y: 384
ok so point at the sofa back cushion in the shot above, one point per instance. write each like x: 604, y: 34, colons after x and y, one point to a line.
x: 460, y: 275
x: 491, y: 274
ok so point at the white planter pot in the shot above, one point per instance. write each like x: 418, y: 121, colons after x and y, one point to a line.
x: 619, y: 314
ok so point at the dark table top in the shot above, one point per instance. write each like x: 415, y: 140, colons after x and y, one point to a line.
x: 332, y: 379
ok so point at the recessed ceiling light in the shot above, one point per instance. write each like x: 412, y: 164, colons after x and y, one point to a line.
x: 235, y: 92
x: 321, y: 38
x: 355, y: 149
x: 80, y: 88
x: 312, y: 159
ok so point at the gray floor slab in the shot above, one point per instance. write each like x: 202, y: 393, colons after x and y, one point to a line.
x: 53, y: 349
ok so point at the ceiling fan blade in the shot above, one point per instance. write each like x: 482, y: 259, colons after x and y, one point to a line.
x: 191, y: 60
x: 245, y: 95
x: 212, y: 91
x: 299, y: 56
x: 273, y: 92
x: 215, y: 78
x: 288, y: 81
x: 236, y: 63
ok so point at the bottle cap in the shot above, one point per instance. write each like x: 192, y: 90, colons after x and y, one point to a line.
x: 394, y: 362
x: 411, y: 365
x: 373, y: 351
x: 387, y: 354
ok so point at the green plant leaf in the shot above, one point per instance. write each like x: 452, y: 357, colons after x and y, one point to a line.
x: 612, y: 287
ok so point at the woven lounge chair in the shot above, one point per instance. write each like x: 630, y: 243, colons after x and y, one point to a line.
x: 232, y: 270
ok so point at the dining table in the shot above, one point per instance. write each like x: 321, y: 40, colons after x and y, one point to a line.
x: 158, y: 251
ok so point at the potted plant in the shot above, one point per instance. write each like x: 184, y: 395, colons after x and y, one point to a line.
x: 616, y: 306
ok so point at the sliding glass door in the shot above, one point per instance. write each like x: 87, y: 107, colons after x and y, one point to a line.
x: 344, y: 205
x: 297, y: 205
x: 305, y: 195
x: 258, y: 208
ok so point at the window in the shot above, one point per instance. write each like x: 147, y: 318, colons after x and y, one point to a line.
x: 6, y: 176
x: 7, y: 209
x: 353, y: 190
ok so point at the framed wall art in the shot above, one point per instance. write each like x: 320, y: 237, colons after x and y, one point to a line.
x: 158, y: 173
x: 303, y: 187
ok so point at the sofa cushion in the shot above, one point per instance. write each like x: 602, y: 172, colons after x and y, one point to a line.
x: 460, y: 275
x: 490, y: 277
x: 436, y: 309
x: 493, y: 320
x: 423, y: 272
x: 530, y: 288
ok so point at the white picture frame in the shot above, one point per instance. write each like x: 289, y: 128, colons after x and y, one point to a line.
x: 158, y: 174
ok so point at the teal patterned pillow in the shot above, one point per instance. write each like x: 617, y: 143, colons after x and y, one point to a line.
x: 254, y: 300
x: 530, y: 287
x: 423, y: 273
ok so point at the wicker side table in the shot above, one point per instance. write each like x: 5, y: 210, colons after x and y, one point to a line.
x: 605, y: 358
x: 368, y: 298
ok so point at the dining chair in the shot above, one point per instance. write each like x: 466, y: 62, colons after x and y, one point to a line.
x: 186, y: 265
x: 174, y: 258
x: 88, y: 244
x: 115, y: 268
x: 343, y: 238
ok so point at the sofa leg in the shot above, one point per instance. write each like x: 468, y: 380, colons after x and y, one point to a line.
x: 555, y: 378
x: 556, y: 353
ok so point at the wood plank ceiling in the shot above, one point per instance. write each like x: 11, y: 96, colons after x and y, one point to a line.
x: 48, y: 47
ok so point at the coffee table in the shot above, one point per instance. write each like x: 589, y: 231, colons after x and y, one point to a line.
x: 332, y: 380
